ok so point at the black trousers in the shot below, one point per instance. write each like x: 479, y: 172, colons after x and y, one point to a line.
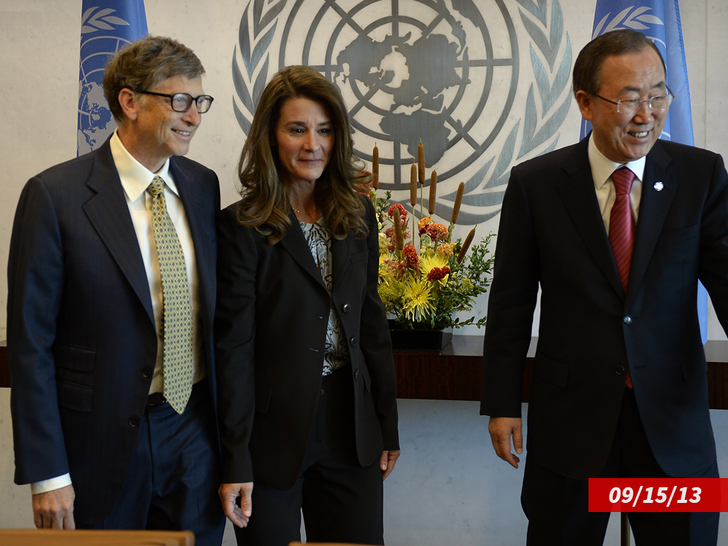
x: 341, y: 500
x: 557, y: 506
x: 174, y: 474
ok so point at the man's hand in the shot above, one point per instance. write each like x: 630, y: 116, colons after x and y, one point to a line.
x: 501, y: 430
x: 387, y: 461
x: 238, y: 513
x: 54, y: 509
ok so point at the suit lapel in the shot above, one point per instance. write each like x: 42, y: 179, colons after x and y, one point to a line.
x: 109, y: 214
x: 340, y: 250
x: 579, y: 197
x: 295, y: 244
x: 201, y: 231
x: 654, y: 205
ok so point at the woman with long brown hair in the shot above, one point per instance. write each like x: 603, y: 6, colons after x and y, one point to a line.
x: 307, y: 387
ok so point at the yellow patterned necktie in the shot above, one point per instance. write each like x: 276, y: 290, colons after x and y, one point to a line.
x: 176, y: 303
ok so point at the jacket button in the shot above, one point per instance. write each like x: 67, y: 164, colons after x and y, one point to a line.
x: 356, y: 375
x: 345, y: 308
x: 627, y: 320
x: 134, y: 421
x: 620, y: 370
x: 147, y: 372
x: 353, y: 341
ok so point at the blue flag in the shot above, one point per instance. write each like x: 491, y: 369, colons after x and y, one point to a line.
x: 106, y: 27
x: 659, y: 20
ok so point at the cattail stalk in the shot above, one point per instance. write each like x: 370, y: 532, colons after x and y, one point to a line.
x: 466, y: 245
x: 413, y: 186
x: 421, y: 162
x: 398, y: 235
x: 375, y: 167
x: 458, y: 202
x: 433, y: 193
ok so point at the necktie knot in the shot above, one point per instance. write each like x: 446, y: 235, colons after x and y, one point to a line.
x: 156, y: 187
x: 623, y: 179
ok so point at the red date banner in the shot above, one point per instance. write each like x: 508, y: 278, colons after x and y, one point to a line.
x: 658, y: 495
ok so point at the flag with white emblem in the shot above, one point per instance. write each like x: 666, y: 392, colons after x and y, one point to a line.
x: 106, y: 27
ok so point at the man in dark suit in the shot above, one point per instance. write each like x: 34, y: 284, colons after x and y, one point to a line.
x: 111, y: 298
x: 619, y: 383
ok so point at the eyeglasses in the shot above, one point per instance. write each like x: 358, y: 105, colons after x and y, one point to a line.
x: 629, y: 107
x: 181, y: 102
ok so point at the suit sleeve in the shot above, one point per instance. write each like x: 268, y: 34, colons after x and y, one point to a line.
x: 235, y: 344
x: 376, y: 342
x: 35, y: 287
x: 511, y: 304
x: 713, y: 271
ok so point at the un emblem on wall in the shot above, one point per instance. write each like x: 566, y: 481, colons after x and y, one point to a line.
x: 424, y: 69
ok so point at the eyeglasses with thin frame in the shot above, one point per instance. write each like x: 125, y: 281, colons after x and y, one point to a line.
x: 181, y: 102
x: 629, y: 107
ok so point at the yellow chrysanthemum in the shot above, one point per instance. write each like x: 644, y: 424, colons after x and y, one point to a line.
x: 383, y: 243
x: 389, y: 292
x: 416, y: 296
x: 385, y: 273
x: 430, y: 261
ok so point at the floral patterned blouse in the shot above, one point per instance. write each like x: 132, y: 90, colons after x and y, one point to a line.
x: 336, y: 353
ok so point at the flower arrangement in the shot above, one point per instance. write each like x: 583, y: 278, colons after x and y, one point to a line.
x: 423, y: 285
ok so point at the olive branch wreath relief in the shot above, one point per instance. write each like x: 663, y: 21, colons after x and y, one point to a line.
x: 540, y: 124
x: 257, y: 29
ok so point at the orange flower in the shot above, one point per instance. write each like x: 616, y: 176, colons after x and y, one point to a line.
x: 411, y: 259
x: 437, y: 232
x: 402, y: 213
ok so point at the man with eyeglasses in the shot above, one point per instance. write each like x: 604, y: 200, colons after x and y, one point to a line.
x: 111, y: 281
x: 616, y: 231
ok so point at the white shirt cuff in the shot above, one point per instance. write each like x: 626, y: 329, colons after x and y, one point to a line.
x: 45, y: 486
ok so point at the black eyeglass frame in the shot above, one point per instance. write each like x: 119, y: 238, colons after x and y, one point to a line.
x: 669, y: 96
x: 193, y: 100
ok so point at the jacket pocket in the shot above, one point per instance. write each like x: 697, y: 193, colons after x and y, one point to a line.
x: 71, y: 357
x: 360, y: 256
x: 74, y: 396
x: 550, y: 370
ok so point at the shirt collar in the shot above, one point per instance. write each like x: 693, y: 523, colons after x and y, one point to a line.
x: 602, y: 168
x: 135, y: 177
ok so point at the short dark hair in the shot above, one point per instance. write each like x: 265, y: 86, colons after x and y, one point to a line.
x: 587, y: 68
x: 144, y: 64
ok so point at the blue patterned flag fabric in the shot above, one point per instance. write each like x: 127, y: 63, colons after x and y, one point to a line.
x: 106, y: 27
x: 659, y: 20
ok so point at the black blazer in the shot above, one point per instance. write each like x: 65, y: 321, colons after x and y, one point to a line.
x: 552, y: 234
x: 270, y: 330
x: 82, y: 343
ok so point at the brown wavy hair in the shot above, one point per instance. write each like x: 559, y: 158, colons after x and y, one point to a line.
x: 265, y: 205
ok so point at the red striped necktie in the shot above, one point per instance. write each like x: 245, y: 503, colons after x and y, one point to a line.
x: 621, y: 230
x: 621, y: 223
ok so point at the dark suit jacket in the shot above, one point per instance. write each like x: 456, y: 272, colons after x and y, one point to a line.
x: 82, y: 343
x: 270, y: 330
x: 552, y: 234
